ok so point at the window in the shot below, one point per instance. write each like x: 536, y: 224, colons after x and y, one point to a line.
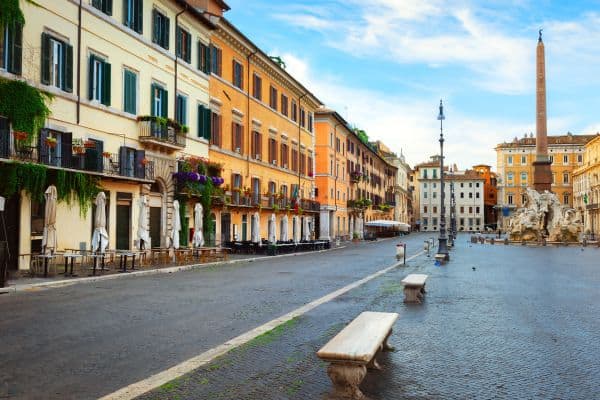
x: 284, y: 155
x: 523, y: 198
x: 160, y: 29
x: 99, y: 80
x: 294, y: 160
x: 477, y: 210
x: 273, y: 98
x: 57, y: 63
x: 523, y: 160
x: 462, y: 221
x: 205, y: 119
x: 204, y: 57
x: 129, y: 91
x: 215, y: 126
x: 238, y: 75
x: 551, y: 159
x: 476, y: 184
x: 462, y: 210
x: 215, y: 60
x: 103, y: 5
x: 565, y: 177
x: 434, y: 221
x: 310, y: 124
x: 130, y: 162
x: 310, y: 166
x: 434, y: 174
x: 302, y: 117
x: 183, y: 46
x: 477, y: 221
x: 303, y: 165
x: 424, y: 195
x: 273, y: 151
x: 435, y: 209
x: 284, y: 104
x: 256, y: 145
x: 257, y: 87
x: 477, y: 195
x: 509, y: 160
x: 510, y: 176
x: 181, y: 109
x: 566, y: 198
x: 424, y: 209
x: 470, y: 195
x: 294, y: 111
x: 160, y: 101
x: 470, y: 184
x: 434, y: 195
x: 424, y: 174
x: 425, y: 185
x: 425, y: 222
x: 510, y: 199
x: 523, y: 178
x: 11, y: 46
x: 237, y: 140
x: 579, y: 158
x: 133, y: 14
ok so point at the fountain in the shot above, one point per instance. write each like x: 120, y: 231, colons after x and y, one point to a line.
x: 543, y: 217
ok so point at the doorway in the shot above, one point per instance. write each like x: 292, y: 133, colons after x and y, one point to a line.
x: 225, y: 227
x: 155, y: 226
x: 244, y: 227
x: 123, y: 223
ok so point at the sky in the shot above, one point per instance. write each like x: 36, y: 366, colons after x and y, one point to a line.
x: 384, y: 65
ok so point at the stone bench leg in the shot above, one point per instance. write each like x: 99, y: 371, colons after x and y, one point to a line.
x: 412, y: 294
x: 346, y: 378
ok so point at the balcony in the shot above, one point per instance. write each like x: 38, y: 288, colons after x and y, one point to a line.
x: 593, y: 206
x: 273, y: 202
x: 161, y: 133
x: 77, y: 157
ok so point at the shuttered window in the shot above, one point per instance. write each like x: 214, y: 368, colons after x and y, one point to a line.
x: 99, y: 80
x: 204, y: 57
x: 160, y: 29
x: 256, y: 145
x: 103, y: 5
x: 237, y: 140
x: 11, y: 48
x: 257, y: 87
x: 181, y: 109
x: 57, y: 63
x: 133, y: 14
x: 159, y: 101
x: 215, y: 136
x: 183, y: 47
x: 238, y: 75
x: 129, y: 92
x: 215, y: 60
x: 204, y: 122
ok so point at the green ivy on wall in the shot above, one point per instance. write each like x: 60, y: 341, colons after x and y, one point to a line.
x: 31, y: 178
x: 83, y: 187
x: 185, y: 224
x: 25, y: 106
x: 10, y: 12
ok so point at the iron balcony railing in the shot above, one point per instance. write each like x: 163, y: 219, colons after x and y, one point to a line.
x: 160, y: 133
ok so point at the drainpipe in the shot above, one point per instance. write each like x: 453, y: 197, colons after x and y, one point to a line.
x: 176, y: 62
x: 248, y: 111
x: 79, y: 62
x: 299, y: 131
x: 335, y: 199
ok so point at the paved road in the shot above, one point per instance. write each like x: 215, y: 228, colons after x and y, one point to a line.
x: 524, y: 324
x: 85, y: 341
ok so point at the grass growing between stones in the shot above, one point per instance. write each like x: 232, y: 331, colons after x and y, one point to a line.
x: 273, y: 334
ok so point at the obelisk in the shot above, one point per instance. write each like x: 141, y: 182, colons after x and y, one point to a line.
x: 542, y: 174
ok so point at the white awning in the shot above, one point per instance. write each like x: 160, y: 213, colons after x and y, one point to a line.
x: 381, y: 223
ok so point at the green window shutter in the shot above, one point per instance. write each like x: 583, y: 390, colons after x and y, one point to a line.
x: 200, y: 50
x: 206, y: 56
x: 45, y: 78
x: 207, y: 124
x: 91, y: 78
x: 188, y: 46
x: 164, y: 101
x: 130, y: 92
x: 166, y: 32
x: 139, y: 15
x: 178, y: 34
x: 15, y: 47
x: 152, y: 93
x: 155, y: 26
x: 200, y: 120
x: 68, y: 68
x: 108, y: 7
x: 106, y: 83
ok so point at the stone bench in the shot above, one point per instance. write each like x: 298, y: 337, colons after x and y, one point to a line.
x: 414, y: 287
x: 354, y: 349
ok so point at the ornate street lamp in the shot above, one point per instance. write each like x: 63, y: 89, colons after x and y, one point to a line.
x: 442, y: 254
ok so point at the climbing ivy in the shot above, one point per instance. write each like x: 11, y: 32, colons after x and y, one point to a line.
x: 25, y: 106
x: 185, y: 225
x: 83, y: 187
x: 10, y: 12
x: 31, y: 178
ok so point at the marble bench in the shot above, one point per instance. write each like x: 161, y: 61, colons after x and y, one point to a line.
x: 354, y: 349
x: 414, y: 287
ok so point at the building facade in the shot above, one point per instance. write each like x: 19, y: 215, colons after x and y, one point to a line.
x: 515, y: 169
x: 490, y: 194
x: 262, y: 132
x: 586, y: 188
x: 126, y: 84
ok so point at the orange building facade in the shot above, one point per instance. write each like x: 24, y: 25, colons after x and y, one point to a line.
x: 490, y: 194
x: 261, y: 132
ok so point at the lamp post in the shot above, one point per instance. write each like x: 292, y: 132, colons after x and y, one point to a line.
x: 442, y: 254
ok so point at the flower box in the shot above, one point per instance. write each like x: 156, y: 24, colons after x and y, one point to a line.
x: 50, y: 142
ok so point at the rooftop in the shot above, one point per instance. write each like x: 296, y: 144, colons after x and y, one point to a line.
x: 568, y: 139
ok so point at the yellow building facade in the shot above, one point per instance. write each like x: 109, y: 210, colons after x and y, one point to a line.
x: 586, y: 188
x: 515, y: 168
x: 127, y: 86
x: 262, y: 132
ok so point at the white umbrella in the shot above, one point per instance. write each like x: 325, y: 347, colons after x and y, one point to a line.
x: 306, y: 229
x: 100, y: 236
x: 296, y: 223
x: 49, y: 238
x: 143, y: 229
x: 272, y: 229
x: 198, y: 239
x: 176, y: 224
x: 256, y: 228
x: 284, y: 228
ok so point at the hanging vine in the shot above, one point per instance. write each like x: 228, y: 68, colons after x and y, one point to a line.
x: 25, y: 106
x: 10, y: 12
x: 83, y: 187
x: 31, y: 178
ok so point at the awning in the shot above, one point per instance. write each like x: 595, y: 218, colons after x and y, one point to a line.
x: 381, y: 223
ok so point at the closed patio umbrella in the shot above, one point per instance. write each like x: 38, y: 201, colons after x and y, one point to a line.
x: 296, y: 224
x: 176, y: 224
x: 100, y: 236
x: 143, y: 233
x: 272, y: 229
x: 198, y: 239
x: 256, y: 228
x: 284, y: 228
x: 49, y: 238
x: 306, y: 229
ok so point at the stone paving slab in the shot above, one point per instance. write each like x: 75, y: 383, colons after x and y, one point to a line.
x: 497, y: 323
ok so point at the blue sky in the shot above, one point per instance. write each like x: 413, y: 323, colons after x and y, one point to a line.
x: 385, y: 64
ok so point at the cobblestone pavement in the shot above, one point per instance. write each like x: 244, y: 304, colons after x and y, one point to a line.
x: 85, y: 341
x: 498, y: 322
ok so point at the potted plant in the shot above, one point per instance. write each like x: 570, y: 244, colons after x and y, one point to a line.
x: 50, y: 142
x: 355, y: 237
x: 106, y: 154
x: 144, y: 161
x: 20, y: 135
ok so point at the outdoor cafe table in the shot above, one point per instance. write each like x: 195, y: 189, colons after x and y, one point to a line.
x: 95, y: 257
x: 70, y: 257
x: 46, y: 257
x: 162, y: 252
x: 123, y: 260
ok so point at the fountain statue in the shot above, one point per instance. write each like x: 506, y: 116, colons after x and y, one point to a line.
x: 544, y: 217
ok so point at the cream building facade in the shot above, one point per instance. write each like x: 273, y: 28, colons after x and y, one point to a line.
x: 586, y: 188
x: 127, y: 84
